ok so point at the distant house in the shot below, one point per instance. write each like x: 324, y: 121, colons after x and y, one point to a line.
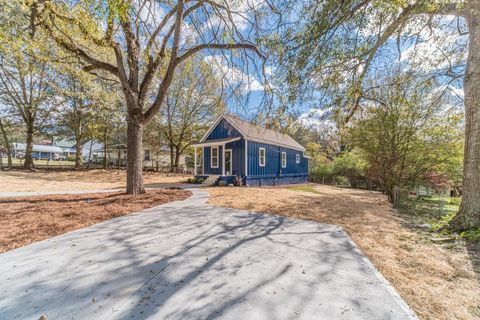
x: 68, y: 147
x: 39, y: 151
x: 117, y: 155
x: 235, y: 148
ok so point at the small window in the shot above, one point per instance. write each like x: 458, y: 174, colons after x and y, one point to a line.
x: 261, y: 157
x: 298, y: 158
x: 214, y: 157
x: 147, y: 155
x: 284, y: 159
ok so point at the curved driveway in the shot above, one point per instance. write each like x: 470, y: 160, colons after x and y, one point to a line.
x: 190, y: 260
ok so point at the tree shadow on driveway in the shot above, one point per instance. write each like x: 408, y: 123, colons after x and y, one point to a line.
x: 182, y: 261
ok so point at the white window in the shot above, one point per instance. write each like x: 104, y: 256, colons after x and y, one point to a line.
x: 297, y: 159
x: 284, y: 159
x: 261, y: 157
x: 214, y: 157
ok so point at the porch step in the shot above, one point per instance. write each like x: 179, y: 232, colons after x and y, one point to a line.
x: 211, y: 180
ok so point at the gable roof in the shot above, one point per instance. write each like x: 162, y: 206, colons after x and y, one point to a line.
x: 256, y: 133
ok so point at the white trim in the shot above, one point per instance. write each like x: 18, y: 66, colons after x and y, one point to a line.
x: 195, y: 161
x: 297, y: 158
x: 218, y: 143
x: 211, y: 157
x: 246, y: 157
x: 215, y: 123
x: 245, y: 135
x: 223, y: 160
x: 276, y: 144
x: 284, y: 153
x: 260, y: 156
x: 231, y: 160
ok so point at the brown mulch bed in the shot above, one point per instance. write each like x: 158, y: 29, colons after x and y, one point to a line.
x: 438, y: 281
x: 29, y: 219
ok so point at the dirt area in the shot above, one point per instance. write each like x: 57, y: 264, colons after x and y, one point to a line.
x: 24, y: 181
x: 30, y: 219
x: 438, y: 281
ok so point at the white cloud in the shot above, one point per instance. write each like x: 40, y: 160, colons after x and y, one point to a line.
x: 233, y: 76
x: 151, y: 12
x: 318, y: 118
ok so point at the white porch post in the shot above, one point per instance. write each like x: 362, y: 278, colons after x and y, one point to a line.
x: 195, y: 161
x: 223, y: 160
x: 246, y: 157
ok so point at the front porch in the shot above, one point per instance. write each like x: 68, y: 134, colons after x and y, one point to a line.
x: 222, y: 158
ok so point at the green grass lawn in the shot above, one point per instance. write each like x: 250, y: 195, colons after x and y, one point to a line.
x: 435, y: 210
x: 304, y: 188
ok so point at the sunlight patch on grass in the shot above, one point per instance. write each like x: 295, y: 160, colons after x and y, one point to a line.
x: 304, y: 188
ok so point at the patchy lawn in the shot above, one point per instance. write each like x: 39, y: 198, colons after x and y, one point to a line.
x: 29, y: 219
x: 24, y: 181
x: 439, y: 281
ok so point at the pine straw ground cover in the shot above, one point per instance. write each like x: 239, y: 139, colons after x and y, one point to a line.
x: 28, y: 219
x: 49, y: 180
x: 438, y: 281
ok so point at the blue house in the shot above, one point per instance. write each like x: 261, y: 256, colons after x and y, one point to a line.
x: 236, y: 149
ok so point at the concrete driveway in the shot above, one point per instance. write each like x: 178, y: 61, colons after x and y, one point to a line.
x: 188, y: 260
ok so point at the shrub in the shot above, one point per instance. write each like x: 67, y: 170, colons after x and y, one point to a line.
x: 322, y: 172
x: 350, y: 166
x: 195, y: 181
x: 222, y: 183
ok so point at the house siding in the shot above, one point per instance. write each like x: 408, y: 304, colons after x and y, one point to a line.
x: 207, y: 161
x: 270, y: 174
x: 238, y: 157
x: 223, y: 130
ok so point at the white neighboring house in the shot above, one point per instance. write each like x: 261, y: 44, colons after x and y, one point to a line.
x: 39, y: 151
x: 94, y: 151
x: 67, y: 146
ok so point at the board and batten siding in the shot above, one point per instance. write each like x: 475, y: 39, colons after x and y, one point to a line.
x: 207, y: 161
x: 223, y: 130
x: 238, y: 156
x: 273, y: 164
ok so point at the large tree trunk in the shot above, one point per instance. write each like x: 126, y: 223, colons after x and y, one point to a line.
x: 134, y: 155
x: 468, y: 216
x: 28, y: 164
x: 78, y: 153
x: 7, y: 146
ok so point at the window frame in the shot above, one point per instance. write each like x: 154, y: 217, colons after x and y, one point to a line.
x: 297, y: 158
x: 260, y: 157
x: 284, y: 158
x: 217, y: 157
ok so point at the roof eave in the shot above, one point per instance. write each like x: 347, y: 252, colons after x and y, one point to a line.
x: 302, y: 149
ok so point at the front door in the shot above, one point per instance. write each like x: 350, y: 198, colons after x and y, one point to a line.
x: 228, y: 162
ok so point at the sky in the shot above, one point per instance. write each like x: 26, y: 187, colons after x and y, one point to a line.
x: 243, y: 75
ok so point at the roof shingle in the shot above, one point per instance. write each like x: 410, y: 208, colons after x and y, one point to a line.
x: 253, y: 132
